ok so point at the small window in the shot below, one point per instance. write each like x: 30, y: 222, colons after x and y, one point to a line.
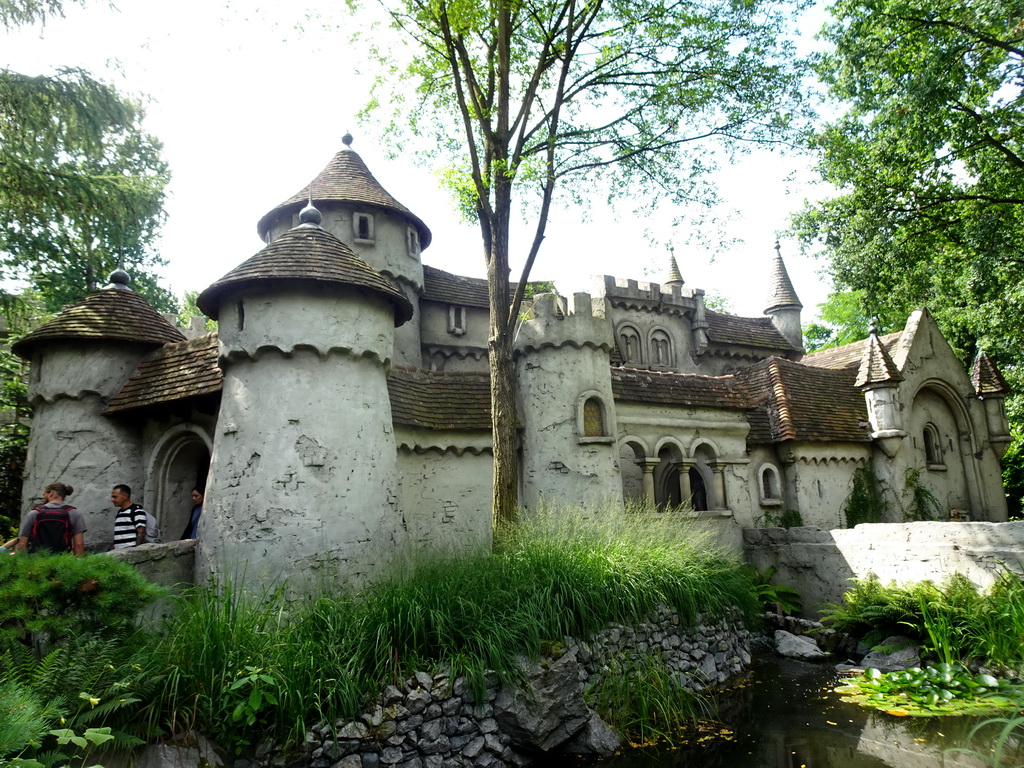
x: 456, y: 320
x: 413, y: 241
x: 932, y: 447
x: 593, y: 418
x: 629, y: 345
x: 771, y: 488
x: 241, y: 316
x: 363, y: 228
x: 592, y: 421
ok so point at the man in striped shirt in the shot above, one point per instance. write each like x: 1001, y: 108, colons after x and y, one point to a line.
x: 130, y: 522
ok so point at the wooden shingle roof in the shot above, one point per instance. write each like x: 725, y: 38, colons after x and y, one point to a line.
x: 781, y: 292
x: 447, y: 288
x: 306, y: 254
x: 876, y: 366
x: 683, y: 389
x: 805, y: 403
x: 848, y: 355
x: 173, y: 373
x: 435, y: 400
x: 346, y: 179
x: 115, y: 314
x: 745, y: 331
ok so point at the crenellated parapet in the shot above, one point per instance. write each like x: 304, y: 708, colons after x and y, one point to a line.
x: 552, y: 326
x: 650, y: 297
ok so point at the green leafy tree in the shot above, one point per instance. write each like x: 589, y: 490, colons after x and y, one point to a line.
x: 844, y: 319
x: 529, y: 99
x: 14, y: 414
x: 929, y: 162
x: 81, y: 182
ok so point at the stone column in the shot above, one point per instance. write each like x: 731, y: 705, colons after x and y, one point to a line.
x: 685, y: 491
x: 717, y: 470
x: 648, y: 465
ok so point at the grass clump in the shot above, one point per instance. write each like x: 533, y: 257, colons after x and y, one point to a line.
x: 244, y: 666
x: 954, y: 621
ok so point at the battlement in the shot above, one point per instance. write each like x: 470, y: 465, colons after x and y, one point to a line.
x: 556, y: 324
x: 635, y: 294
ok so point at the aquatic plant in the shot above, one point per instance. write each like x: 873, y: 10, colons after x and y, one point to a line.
x: 943, y: 689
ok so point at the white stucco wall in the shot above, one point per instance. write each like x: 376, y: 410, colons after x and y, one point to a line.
x: 446, y: 351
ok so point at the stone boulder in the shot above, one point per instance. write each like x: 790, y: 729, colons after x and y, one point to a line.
x: 193, y: 751
x: 596, y: 738
x: 797, y: 646
x: 906, y: 656
x: 549, y: 710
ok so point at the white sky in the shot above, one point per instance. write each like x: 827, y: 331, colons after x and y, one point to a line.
x: 251, y: 100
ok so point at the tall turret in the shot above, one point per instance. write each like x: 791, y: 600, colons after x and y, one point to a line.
x: 303, y: 476
x: 783, y: 305
x: 79, y: 361
x: 566, y: 404
x: 991, y: 388
x: 384, y: 233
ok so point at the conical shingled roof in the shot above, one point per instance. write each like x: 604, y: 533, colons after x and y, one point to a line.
x: 310, y: 254
x: 781, y: 293
x: 346, y: 179
x: 876, y: 367
x: 985, y: 377
x: 114, y: 314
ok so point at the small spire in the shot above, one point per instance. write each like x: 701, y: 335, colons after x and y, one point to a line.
x: 347, y: 140
x: 675, y: 277
x: 119, y: 281
x: 877, y: 368
x: 781, y: 294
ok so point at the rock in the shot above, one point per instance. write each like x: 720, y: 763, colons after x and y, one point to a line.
x: 550, y: 710
x: 596, y: 738
x: 797, y: 646
x: 907, y: 656
x: 352, y: 761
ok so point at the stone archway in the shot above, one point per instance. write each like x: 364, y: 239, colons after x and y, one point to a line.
x: 180, y: 462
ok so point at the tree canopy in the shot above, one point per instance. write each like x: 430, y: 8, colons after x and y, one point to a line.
x: 521, y: 97
x: 928, y: 158
x: 81, y: 181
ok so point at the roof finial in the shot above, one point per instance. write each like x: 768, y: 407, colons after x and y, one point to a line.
x: 873, y: 327
x: 347, y: 140
x: 119, y: 280
x: 310, y: 214
x: 778, y: 249
x: 675, y: 277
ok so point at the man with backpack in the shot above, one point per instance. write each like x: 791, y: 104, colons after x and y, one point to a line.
x: 53, y: 526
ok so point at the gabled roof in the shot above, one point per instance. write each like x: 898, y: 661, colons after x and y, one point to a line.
x: 849, y: 355
x: 173, y: 373
x: 985, y: 377
x: 306, y: 254
x: 439, y: 401
x: 113, y: 314
x: 682, y: 389
x: 346, y: 179
x: 745, y: 331
x: 805, y: 403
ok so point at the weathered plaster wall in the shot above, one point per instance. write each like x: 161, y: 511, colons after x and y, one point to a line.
x: 303, y: 476
x: 171, y: 565
x: 819, y: 478
x: 71, y: 441
x: 446, y: 497
x: 820, y: 563
x: 444, y: 350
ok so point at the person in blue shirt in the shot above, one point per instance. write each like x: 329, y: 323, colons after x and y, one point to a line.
x: 193, y: 519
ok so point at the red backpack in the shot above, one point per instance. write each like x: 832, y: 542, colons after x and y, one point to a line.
x: 52, y: 529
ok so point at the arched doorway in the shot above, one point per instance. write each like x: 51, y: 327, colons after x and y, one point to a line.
x: 181, y: 462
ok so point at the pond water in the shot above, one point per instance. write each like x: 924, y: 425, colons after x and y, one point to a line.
x: 784, y: 714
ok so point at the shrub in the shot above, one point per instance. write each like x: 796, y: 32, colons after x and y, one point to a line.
x: 866, y: 502
x: 56, y: 597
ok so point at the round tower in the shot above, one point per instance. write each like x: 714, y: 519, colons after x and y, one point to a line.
x: 384, y: 233
x: 783, y: 305
x: 566, y: 406
x: 303, y: 475
x: 78, y: 362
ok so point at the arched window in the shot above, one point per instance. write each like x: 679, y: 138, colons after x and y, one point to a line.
x: 629, y: 345
x: 592, y: 423
x: 770, y: 488
x: 932, y: 446
x: 661, y: 349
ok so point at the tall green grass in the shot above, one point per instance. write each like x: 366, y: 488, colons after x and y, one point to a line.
x: 557, y: 573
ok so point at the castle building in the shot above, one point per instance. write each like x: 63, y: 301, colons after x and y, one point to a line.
x: 340, y: 418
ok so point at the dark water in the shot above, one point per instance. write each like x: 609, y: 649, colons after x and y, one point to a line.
x: 785, y: 715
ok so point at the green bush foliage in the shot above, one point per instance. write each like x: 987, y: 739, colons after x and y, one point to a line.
x: 56, y: 597
x: 955, y: 622
x: 866, y: 502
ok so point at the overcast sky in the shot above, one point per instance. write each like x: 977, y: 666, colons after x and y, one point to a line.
x: 251, y: 101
